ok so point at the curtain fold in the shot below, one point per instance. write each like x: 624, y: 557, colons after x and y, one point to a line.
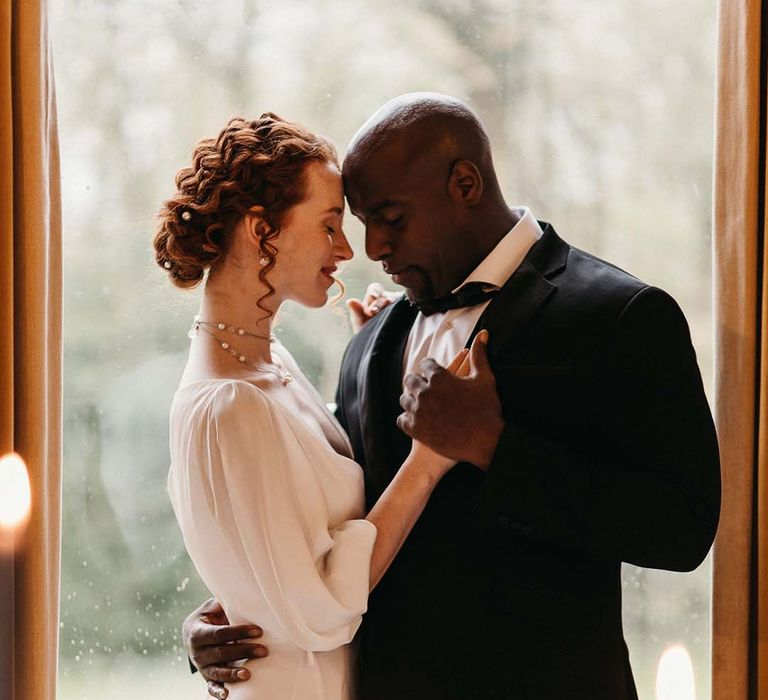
x: 30, y: 328
x: 740, y: 618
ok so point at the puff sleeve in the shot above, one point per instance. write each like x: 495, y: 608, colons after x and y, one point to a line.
x: 260, y: 490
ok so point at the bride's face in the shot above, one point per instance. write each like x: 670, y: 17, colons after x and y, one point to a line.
x: 311, y: 242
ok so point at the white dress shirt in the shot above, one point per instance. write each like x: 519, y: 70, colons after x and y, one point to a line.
x: 441, y: 335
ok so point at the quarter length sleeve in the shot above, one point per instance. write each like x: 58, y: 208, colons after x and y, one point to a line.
x: 272, y: 512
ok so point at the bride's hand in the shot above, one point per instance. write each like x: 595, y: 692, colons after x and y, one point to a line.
x: 375, y: 300
x: 459, y: 367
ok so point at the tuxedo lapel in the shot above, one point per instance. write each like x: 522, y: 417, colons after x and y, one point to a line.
x: 526, y: 291
x: 379, y: 382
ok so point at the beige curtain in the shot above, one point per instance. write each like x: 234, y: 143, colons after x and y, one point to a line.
x: 740, y: 618
x: 30, y: 328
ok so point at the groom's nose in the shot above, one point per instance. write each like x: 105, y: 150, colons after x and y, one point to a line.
x: 377, y: 242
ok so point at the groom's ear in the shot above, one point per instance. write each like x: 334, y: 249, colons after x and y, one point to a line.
x: 465, y: 185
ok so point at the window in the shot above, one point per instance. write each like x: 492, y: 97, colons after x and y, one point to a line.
x: 601, y: 119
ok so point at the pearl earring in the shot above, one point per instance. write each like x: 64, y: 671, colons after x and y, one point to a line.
x: 263, y: 260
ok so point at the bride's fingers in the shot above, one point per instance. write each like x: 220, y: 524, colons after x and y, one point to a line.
x: 478, y: 357
x: 217, y: 690
x: 377, y: 305
x: 376, y: 298
x: 373, y: 292
x: 462, y: 364
x: 357, y: 314
x: 458, y: 361
x: 465, y: 367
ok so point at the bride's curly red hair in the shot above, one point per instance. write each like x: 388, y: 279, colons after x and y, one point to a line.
x: 250, y: 163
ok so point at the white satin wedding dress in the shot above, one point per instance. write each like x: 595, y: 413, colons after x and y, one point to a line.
x: 271, y: 516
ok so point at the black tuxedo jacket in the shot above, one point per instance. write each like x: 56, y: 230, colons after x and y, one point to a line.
x: 509, y: 585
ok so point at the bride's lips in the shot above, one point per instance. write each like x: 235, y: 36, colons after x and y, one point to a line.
x: 328, y: 271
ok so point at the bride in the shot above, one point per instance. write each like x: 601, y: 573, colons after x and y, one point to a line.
x: 262, y: 482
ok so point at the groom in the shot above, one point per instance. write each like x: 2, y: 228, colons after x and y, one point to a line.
x: 594, y: 446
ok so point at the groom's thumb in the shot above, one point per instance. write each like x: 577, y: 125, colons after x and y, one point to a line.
x: 478, y: 357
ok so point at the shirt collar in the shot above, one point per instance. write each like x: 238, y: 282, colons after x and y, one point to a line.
x: 497, y: 267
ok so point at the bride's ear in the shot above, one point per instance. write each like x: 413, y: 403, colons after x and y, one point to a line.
x: 256, y: 224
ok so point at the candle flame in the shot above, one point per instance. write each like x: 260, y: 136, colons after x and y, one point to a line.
x: 15, y: 492
x: 674, y: 677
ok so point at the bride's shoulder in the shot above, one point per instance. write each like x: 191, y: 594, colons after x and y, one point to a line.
x: 222, y: 398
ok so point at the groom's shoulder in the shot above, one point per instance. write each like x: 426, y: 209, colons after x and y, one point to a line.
x: 580, y: 275
x: 592, y: 279
x: 593, y: 292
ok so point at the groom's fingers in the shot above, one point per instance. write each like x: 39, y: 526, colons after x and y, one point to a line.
x: 428, y: 368
x: 226, y: 674
x: 224, y: 634
x: 414, y: 382
x: 228, y: 653
x: 407, y: 401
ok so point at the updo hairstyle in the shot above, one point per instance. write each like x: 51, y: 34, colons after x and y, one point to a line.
x: 250, y: 163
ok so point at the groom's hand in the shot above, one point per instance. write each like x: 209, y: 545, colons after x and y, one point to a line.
x: 458, y: 417
x: 212, y: 644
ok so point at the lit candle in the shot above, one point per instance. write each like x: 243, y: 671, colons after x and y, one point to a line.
x: 15, y: 502
x: 674, y: 677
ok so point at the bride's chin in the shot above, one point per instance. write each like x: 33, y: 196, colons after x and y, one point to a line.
x: 314, y: 297
x: 318, y: 301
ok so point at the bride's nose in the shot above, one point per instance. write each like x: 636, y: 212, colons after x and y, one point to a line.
x: 341, y: 249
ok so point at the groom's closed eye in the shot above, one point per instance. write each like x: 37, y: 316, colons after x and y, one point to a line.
x: 389, y: 216
x: 393, y: 221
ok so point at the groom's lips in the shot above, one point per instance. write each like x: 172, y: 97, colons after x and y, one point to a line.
x: 400, y: 275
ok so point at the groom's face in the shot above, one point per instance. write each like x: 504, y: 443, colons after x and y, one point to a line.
x: 411, y: 224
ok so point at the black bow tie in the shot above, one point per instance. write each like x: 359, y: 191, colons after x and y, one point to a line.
x: 471, y: 294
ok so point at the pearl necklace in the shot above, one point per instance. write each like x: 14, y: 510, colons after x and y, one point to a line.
x: 224, y: 327
x: 199, y: 324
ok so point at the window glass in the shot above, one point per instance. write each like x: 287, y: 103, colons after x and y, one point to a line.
x: 600, y: 116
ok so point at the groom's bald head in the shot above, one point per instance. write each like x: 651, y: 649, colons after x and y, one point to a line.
x: 419, y: 175
x: 424, y: 129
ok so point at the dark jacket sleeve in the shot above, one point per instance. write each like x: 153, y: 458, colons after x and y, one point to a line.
x: 340, y: 412
x: 641, y: 483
